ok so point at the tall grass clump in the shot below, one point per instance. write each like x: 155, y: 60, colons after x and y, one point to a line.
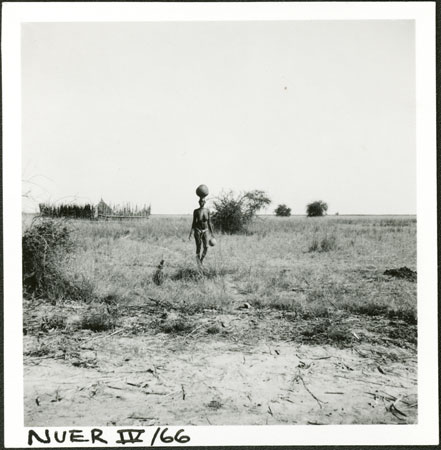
x: 325, y: 244
x: 46, y: 246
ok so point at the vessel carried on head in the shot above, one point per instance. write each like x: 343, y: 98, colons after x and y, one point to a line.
x: 202, y: 191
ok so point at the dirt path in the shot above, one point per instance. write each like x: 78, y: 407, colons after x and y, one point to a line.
x: 146, y: 380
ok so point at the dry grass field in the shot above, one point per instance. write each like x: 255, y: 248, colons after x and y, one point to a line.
x: 294, y: 322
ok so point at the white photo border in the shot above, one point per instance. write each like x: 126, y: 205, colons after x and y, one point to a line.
x: 426, y: 432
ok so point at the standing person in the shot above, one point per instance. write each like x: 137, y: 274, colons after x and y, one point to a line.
x: 200, y: 226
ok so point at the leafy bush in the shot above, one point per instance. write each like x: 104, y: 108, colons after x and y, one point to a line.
x: 46, y: 243
x: 282, y: 211
x: 316, y: 209
x: 233, y: 213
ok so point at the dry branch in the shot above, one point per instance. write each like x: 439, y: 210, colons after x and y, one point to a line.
x: 103, y: 337
x: 142, y: 418
x: 299, y: 377
x: 368, y: 382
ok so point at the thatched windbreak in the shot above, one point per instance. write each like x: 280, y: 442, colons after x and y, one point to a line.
x: 89, y: 211
x: 72, y: 211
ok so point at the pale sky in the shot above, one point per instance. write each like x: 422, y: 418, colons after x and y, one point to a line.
x: 145, y: 112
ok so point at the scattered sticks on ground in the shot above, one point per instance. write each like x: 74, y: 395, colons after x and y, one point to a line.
x: 367, y: 381
x: 287, y: 399
x: 163, y: 303
x: 132, y: 416
x: 194, y: 330
x: 396, y: 412
x: 103, y: 336
x: 299, y: 377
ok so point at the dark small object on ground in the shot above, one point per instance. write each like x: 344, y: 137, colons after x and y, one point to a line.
x: 244, y: 306
x: 158, y: 276
x: 403, y: 272
x: 381, y: 370
x: 214, y: 329
x: 214, y: 404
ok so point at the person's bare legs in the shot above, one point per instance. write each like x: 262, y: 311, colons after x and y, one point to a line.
x: 204, y: 253
x: 197, y: 238
x: 205, y: 244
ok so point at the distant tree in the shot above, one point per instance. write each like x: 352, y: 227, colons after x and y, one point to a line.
x: 316, y: 209
x: 233, y: 213
x: 282, y: 211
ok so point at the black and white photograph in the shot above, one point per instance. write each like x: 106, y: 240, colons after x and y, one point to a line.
x: 220, y: 223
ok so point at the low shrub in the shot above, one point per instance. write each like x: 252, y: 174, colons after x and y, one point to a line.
x: 175, y: 323
x: 406, y: 315
x: 282, y: 211
x: 46, y: 243
x: 234, y: 213
x: 213, y: 329
x: 97, y: 318
x: 325, y: 330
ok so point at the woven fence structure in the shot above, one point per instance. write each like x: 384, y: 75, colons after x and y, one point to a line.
x: 101, y: 211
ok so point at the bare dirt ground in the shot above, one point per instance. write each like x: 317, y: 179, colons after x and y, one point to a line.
x: 232, y: 377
